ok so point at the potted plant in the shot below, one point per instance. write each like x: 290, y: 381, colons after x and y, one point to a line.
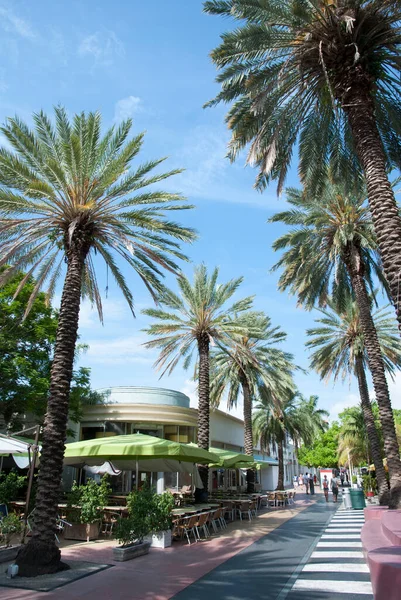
x: 131, y: 531
x: 161, y: 520
x: 85, y: 504
x: 9, y: 526
x: 369, y: 485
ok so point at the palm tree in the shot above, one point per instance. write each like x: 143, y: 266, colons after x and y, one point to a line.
x: 340, y: 349
x: 195, y: 320
x: 274, y: 423
x: 250, y: 363
x: 320, y: 76
x: 331, y: 248
x: 67, y: 195
x: 353, y: 441
x: 313, y: 420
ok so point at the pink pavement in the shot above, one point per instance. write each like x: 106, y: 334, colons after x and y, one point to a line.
x: 163, y: 573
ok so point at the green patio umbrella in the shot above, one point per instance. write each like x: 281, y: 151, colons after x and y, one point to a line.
x: 257, y: 464
x: 228, y: 459
x: 122, y: 449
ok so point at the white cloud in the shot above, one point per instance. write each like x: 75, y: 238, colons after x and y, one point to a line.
x: 127, y: 107
x: 338, y: 407
x: 104, y: 47
x: 119, y: 351
x: 209, y: 174
x: 190, y: 389
x: 10, y: 22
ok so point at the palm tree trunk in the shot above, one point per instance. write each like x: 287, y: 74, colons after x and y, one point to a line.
x: 204, y: 406
x: 248, y: 432
x: 360, y: 109
x: 280, y: 449
x: 376, y: 366
x: 373, y: 438
x: 41, y: 555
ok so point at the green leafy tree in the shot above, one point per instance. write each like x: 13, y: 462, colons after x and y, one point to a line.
x: 339, y: 350
x: 69, y: 193
x: 331, y: 248
x: 247, y: 365
x: 190, y: 323
x: 27, y: 346
x: 323, y: 452
x: 320, y: 76
x: 312, y: 419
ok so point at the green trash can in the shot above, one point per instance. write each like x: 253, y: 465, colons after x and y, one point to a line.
x: 357, y: 499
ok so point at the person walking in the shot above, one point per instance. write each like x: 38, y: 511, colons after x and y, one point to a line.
x: 311, y: 485
x: 306, y: 483
x: 334, y: 488
x: 300, y: 480
x: 325, y: 485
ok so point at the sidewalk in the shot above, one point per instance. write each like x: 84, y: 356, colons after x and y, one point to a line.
x: 165, y: 573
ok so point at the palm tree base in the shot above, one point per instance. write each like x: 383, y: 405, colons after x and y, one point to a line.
x: 39, y: 558
x: 395, y: 496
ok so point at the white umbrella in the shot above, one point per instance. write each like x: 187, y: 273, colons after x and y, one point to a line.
x: 10, y: 445
x: 105, y: 468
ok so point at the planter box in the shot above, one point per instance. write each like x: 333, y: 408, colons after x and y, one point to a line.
x: 82, y: 532
x: 162, y: 539
x: 9, y: 553
x: 121, y: 553
x: 370, y: 494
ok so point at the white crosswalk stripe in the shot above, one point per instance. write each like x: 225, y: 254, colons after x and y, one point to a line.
x: 336, y: 565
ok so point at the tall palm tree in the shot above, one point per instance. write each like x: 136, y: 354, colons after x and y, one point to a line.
x: 67, y: 194
x: 339, y: 350
x: 193, y: 321
x: 331, y: 248
x: 320, y: 76
x: 274, y: 423
x: 250, y: 363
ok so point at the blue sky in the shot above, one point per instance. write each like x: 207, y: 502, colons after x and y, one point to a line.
x: 150, y: 61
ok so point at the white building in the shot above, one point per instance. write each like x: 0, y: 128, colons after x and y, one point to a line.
x: 167, y: 414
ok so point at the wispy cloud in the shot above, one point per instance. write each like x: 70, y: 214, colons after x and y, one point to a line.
x: 12, y: 23
x: 104, y: 47
x: 119, y: 351
x: 209, y: 174
x: 127, y: 108
x: 338, y: 407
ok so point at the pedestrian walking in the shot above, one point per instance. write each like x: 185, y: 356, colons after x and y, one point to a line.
x: 334, y: 488
x: 315, y: 480
x: 306, y: 482
x: 295, y: 481
x: 312, y: 485
x: 325, y: 485
x: 300, y: 480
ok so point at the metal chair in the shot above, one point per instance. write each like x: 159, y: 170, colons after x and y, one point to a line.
x: 244, y: 509
x: 202, y: 524
x: 271, y: 499
x: 280, y: 498
x: 187, y: 526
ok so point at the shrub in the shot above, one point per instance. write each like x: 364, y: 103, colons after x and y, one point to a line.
x: 10, y: 485
x: 148, y: 512
x: 9, y: 526
x: 86, y: 502
x: 369, y: 483
x: 354, y: 479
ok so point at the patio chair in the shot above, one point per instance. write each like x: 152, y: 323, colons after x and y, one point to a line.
x: 108, y: 521
x: 214, y: 519
x: 229, y: 510
x: 60, y: 526
x: 271, y: 499
x: 187, y: 526
x: 290, y: 498
x: 262, y: 500
x: 244, y: 509
x: 253, y: 508
x: 202, y: 524
x: 280, y: 498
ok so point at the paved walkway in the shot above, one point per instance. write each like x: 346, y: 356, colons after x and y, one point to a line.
x: 336, y: 568
x: 266, y: 568
x: 262, y: 559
